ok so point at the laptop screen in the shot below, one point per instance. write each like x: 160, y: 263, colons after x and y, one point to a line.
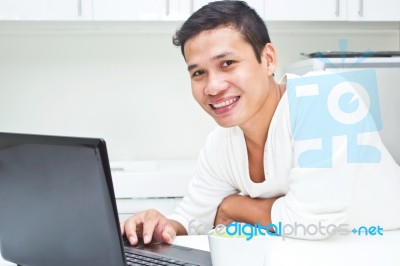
x: 55, y: 202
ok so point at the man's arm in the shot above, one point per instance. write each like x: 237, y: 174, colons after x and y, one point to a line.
x: 244, y: 209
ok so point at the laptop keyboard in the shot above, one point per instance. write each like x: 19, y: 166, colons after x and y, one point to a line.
x: 136, y: 259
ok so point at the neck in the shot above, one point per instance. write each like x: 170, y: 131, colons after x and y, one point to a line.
x: 256, y: 130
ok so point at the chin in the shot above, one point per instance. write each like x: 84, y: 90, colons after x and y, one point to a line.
x: 226, y: 124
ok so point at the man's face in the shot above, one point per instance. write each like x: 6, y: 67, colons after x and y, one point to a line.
x: 227, y: 80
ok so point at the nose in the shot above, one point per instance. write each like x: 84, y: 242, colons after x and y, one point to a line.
x: 215, y: 85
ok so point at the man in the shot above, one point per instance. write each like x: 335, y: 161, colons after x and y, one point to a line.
x: 248, y: 170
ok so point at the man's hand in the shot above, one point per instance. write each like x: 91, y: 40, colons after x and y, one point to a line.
x: 151, y: 224
x: 244, y: 209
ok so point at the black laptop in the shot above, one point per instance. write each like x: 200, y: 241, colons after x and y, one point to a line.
x: 57, y: 207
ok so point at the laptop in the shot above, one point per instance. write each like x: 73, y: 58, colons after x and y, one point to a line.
x: 57, y: 207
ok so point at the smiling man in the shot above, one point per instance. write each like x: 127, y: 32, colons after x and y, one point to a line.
x: 248, y: 170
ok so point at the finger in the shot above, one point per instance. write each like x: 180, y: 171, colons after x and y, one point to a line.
x: 130, y: 228
x: 149, y: 225
x: 168, y: 234
x: 122, y: 227
x: 165, y: 231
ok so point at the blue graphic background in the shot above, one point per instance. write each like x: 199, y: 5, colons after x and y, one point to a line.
x: 311, y: 119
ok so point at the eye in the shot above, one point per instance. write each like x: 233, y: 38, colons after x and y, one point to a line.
x: 227, y: 63
x: 197, y: 73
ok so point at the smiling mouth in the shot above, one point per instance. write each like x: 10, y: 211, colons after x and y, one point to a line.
x: 216, y: 106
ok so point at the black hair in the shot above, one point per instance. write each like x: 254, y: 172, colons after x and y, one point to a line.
x: 236, y: 14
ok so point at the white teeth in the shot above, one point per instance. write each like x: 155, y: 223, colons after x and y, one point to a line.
x: 225, y: 103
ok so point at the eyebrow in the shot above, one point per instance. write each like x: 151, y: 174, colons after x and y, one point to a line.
x: 217, y: 57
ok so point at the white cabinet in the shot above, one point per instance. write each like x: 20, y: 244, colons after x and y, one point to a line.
x: 141, y: 185
x: 373, y: 10
x: 45, y: 10
x: 127, y: 207
x: 332, y: 10
x: 305, y: 10
x: 154, y: 9
x: 131, y: 10
x: 258, y: 5
x: 141, y: 10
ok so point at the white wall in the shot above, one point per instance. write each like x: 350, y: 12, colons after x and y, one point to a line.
x: 128, y: 83
x: 131, y: 89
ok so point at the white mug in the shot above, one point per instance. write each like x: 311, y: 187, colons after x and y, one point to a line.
x: 237, y: 250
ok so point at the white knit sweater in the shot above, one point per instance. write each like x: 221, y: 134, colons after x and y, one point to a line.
x: 355, y: 194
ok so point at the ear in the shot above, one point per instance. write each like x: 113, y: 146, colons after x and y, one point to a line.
x: 268, y: 57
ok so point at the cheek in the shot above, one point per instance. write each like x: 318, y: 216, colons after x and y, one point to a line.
x: 245, y: 75
x: 197, y: 93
